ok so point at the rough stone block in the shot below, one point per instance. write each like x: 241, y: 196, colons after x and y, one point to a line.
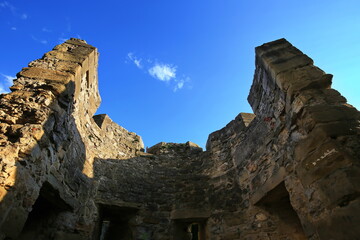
x: 277, y: 67
x: 344, y: 180
x: 75, y: 41
x: 65, y: 56
x: 302, y: 78
x: 326, y: 159
x: 328, y: 113
x: 47, y: 74
x: 341, y: 223
x: 272, y: 46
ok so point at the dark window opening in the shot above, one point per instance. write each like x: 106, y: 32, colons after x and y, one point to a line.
x: 277, y: 203
x: 87, y: 76
x: 194, y: 229
x: 115, y: 222
x: 187, y: 229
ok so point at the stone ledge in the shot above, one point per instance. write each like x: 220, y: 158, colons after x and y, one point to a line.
x: 269, y: 185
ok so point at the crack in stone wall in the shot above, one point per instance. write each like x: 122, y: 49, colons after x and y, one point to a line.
x: 289, y: 171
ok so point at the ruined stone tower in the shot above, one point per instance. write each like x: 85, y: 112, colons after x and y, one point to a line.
x: 289, y: 171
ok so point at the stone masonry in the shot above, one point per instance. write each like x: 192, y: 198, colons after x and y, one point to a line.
x: 289, y: 171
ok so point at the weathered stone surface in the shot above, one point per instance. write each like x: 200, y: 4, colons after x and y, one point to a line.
x: 48, y: 138
x: 46, y: 74
x: 174, y: 148
x: 289, y: 171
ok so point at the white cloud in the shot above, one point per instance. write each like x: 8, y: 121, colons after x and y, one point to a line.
x: 138, y: 63
x: 13, y: 28
x: 180, y: 83
x: 163, y: 72
x: 5, y: 82
x: 24, y: 16
x: 135, y: 60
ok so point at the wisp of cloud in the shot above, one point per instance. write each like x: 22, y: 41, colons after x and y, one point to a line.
x: 163, y: 72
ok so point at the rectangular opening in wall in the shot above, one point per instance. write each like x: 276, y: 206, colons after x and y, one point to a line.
x: 195, y: 231
x: 115, y: 222
x: 190, y: 229
x: 87, y: 76
x: 277, y: 203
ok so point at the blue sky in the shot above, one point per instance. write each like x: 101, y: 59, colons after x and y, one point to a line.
x: 175, y: 71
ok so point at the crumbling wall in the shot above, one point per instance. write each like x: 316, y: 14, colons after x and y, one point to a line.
x: 47, y: 146
x: 288, y: 171
x: 152, y: 184
x: 301, y: 150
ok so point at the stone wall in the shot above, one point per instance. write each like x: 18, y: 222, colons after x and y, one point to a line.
x: 48, y: 143
x: 289, y: 171
x: 295, y: 166
x: 152, y: 185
